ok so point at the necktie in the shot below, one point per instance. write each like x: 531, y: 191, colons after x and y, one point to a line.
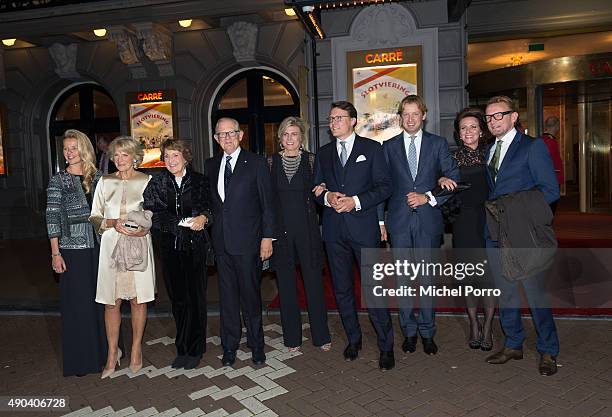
x: 412, y: 157
x: 343, y: 154
x: 494, y: 164
x: 228, y: 172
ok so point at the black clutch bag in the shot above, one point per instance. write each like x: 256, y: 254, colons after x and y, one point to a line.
x: 443, y: 192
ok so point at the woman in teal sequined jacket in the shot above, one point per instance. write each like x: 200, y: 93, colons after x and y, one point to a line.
x: 74, y: 255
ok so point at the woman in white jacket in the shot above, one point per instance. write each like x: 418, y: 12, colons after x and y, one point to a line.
x: 117, y: 195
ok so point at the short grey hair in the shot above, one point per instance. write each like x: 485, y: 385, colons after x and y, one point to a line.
x: 552, y: 123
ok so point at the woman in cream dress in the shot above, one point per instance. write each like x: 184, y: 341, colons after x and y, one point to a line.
x: 117, y: 195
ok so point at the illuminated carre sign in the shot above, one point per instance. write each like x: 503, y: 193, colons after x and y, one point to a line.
x: 158, y: 95
x: 384, y: 57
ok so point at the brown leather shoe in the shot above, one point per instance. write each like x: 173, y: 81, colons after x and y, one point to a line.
x: 505, y: 355
x: 548, y: 365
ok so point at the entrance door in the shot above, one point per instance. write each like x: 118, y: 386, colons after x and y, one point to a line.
x: 259, y: 100
x: 584, y: 109
x: 86, y: 107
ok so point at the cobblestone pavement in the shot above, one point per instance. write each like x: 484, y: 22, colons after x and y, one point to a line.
x: 455, y: 382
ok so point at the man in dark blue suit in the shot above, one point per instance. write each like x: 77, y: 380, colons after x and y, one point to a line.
x: 242, y: 233
x: 518, y: 162
x: 356, y: 177
x: 417, y: 159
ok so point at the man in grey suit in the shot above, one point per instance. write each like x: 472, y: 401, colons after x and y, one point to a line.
x: 416, y: 159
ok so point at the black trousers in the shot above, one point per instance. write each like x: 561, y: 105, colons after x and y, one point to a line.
x: 286, y: 278
x: 240, y: 289
x: 186, y: 281
x: 341, y: 255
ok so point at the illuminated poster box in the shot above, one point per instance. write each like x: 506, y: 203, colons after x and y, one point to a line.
x: 378, y: 80
x: 152, y: 122
x: 2, y: 133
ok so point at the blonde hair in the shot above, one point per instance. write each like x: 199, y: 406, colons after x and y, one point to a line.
x: 127, y: 144
x: 292, y: 121
x: 504, y: 100
x: 87, y: 155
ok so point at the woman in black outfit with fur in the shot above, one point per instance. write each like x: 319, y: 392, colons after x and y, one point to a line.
x: 175, y: 195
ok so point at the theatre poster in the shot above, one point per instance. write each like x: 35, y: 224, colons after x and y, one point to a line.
x: 2, y: 135
x: 152, y: 121
x: 378, y: 81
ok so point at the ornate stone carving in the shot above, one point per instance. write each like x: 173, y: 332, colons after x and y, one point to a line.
x: 243, y: 36
x: 388, y: 24
x: 127, y: 47
x: 157, y: 46
x: 65, y: 57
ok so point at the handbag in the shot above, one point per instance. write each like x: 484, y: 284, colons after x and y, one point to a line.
x: 209, y: 251
x: 443, y: 192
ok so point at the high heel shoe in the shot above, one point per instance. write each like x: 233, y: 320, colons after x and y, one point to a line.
x: 486, y: 345
x: 106, y: 372
x: 137, y: 367
x: 476, y: 342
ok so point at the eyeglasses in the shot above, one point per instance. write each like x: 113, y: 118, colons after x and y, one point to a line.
x: 497, y: 116
x: 332, y: 119
x: 222, y: 135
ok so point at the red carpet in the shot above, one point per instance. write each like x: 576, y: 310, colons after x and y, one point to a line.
x: 574, y: 230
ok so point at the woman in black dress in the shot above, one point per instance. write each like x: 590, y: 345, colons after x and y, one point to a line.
x: 180, y: 201
x: 299, y: 239
x: 469, y: 216
x: 74, y: 255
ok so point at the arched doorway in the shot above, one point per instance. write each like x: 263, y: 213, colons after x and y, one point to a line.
x: 86, y: 107
x: 259, y: 100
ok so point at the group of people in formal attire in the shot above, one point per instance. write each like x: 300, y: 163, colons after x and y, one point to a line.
x: 294, y: 208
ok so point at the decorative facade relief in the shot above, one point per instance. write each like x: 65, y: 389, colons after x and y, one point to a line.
x: 243, y: 36
x: 65, y: 57
x: 157, y: 46
x: 127, y: 47
x: 389, y: 25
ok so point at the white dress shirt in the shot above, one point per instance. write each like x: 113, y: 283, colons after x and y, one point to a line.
x: 179, y: 180
x: 221, y: 179
x: 417, y: 143
x: 349, y: 142
x: 506, y: 142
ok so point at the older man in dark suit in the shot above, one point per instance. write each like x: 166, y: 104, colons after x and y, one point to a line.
x: 416, y: 159
x: 357, y: 180
x: 242, y: 237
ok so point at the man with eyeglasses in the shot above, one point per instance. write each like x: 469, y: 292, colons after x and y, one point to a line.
x: 417, y: 159
x: 357, y: 179
x: 518, y: 162
x: 242, y: 234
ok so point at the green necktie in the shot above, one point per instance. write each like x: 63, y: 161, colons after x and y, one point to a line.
x: 494, y: 164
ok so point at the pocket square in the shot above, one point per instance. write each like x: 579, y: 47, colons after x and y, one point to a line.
x: 361, y: 158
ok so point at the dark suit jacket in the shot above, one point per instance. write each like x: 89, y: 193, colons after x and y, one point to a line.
x: 527, y: 164
x: 368, y: 179
x: 247, y: 215
x: 111, y: 165
x: 435, y: 161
